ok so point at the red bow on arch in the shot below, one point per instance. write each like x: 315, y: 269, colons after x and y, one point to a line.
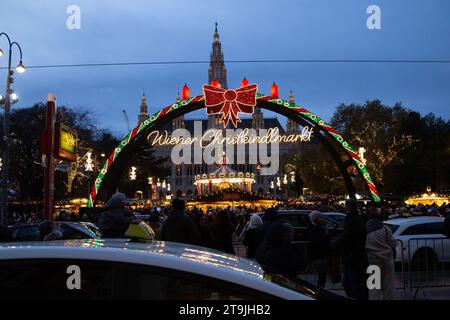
x: 230, y: 102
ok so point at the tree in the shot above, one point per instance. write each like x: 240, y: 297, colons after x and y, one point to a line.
x: 317, y: 171
x: 405, y: 151
x: 147, y: 166
x: 26, y: 173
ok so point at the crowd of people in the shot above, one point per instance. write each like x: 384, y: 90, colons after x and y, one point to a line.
x: 364, y: 241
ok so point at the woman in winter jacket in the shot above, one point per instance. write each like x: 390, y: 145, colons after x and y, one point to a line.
x: 380, y: 245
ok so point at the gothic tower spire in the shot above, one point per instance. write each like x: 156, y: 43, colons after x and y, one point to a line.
x: 143, y: 114
x: 217, y: 71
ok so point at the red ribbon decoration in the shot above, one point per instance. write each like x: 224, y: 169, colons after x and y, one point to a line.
x: 230, y: 102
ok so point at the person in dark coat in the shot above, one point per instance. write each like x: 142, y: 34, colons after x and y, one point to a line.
x: 251, y: 236
x: 271, y: 217
x: 206, y: 239
x: 5, y: 234
x: 115, y: 219
x: 276, y: 254
x: 178, y: 227
x: 352, y: 246
x: 319, y: 246
x: 222, y: 232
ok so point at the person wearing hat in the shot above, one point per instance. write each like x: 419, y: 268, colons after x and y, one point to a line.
x: 351, y: 244
x: 115, y: 219
x: 319, y: 246
x: 251, y: 235
x: 178, y: 227
x: 270, y: 218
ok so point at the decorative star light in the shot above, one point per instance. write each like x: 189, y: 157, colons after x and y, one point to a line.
x: 361, y: 152
x: 89, y: 165
x: 133, y: 173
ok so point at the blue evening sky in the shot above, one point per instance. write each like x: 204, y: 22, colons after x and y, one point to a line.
x: 175, y: 30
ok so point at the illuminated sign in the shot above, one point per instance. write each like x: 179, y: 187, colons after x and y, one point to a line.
x: 215, y: 136
x: 65, y: 142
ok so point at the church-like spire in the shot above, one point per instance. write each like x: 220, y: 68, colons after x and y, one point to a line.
x: 216, y: 34
x: 143, y: 114
x: 217, y: 71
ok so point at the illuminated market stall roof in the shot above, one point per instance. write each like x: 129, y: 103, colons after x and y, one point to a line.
x: 223, y: 178
x: 428, y: 198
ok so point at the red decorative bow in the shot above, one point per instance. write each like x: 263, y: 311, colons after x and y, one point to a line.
x: 230, y: 102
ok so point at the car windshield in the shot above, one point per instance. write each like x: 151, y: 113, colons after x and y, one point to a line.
x: 393, y: 227
x: 302, y: 286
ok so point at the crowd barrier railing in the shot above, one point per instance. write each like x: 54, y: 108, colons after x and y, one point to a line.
x: 428, y: 262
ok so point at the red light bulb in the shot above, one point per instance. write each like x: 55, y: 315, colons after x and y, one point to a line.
x: 185, y: 92
x: 274, y: 90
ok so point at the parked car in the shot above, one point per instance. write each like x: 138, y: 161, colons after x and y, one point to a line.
x: 110, y: 269
x: 422, y: 242
x: 299, y: 220
x: 69, y: 230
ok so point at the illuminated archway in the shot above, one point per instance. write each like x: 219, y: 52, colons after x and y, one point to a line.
x: 328, y: 136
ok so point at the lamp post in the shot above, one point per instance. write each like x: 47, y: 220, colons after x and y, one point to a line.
x: 9, y: 99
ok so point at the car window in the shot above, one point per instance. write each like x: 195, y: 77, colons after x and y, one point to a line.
x: 393, y: 227
x: 72, y: 233
x: 330, y: 224
x: 28, y: 233
x: 291, y: 219
x: 303, y: 220
x: 425, y: 228
x: 47, y: 279
x: 163, y: 284
x: 15, y: 234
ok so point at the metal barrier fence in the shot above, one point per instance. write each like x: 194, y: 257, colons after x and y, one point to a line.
x: 428, y: 262
x: 420, y: 263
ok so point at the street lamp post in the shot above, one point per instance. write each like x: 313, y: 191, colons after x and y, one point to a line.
x: 9, y: 99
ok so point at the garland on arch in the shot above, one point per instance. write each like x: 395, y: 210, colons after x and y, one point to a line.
x: 186, y: 102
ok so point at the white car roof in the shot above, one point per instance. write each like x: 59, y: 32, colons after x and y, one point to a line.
x: 414, y: 220
x: 175, y: 256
